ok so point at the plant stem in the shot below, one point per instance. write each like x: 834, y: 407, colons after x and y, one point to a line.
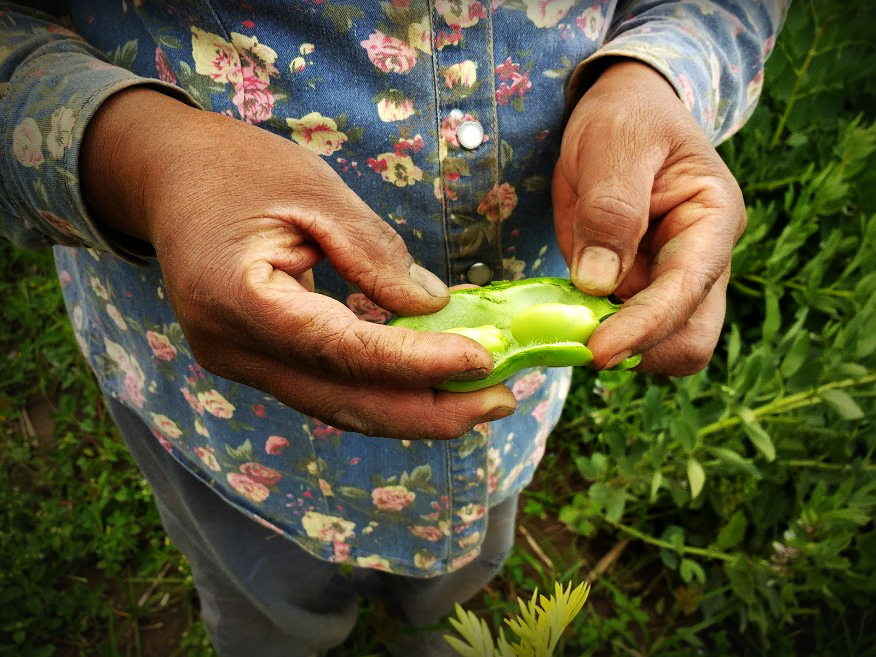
x: 785, y: 404
x: 772, y: 184
x: 810, y: 56
x: 684, y: 549
x: 802, y: 463
x: 844, y: 294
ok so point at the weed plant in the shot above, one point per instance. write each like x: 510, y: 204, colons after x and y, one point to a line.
x: 727, y: 513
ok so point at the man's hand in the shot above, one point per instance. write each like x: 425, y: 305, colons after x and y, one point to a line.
x: 644, y: 208
x: 238, y: 217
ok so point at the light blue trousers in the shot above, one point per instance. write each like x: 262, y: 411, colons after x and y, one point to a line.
x: 263, y: 595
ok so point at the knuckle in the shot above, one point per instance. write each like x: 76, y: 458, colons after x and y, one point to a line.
x: 358, y: 356
x: 611, y: 220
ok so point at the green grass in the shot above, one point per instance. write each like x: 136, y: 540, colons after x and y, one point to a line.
x: 728, y: 513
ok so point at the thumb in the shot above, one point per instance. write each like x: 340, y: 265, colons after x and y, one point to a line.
x: 615, y: 176
x: 369, y: 253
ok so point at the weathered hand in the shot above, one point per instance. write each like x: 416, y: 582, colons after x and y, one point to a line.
x: 644, y: 208
x: 238, y: 217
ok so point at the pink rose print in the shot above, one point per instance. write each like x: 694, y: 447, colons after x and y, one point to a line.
x: 465, y: 559
x: 540, y: 410
x: 253, y: 99
x: 471, y: 512
x: 389, y: 54
x: 342, y: 551
x: 27, y: 143
x: 321, y: 430
x: 267, y: 525
x: 499, y: 203
x: 251, y: 490
x: 394, y: 109
x: 208, y: 456
x: 392, y: 498
x: 590, y: 22
x: 65, y: 278
x: 415, y: 145
x: 61, y: 225
x: 547, y: 13
x: 165, y: 73
x: 367, y: 310
x: 57, y: 29
x: 160, y: 345
x: 428, y: 533
x: 508, y: 70
x: 260, y: 473
x: 276, y: 444
x: 216, y: 404
x: 460, y: 13
x: 528, y: 385
x: 197, y: 406
x: 446, y: 38
x: 687, y: 91
x: 514, y: 83
x: 165, y: 443
x: 540, y: 446
x: 134, y: 389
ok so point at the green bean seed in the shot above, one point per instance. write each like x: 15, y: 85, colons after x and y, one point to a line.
x: 553, y: 322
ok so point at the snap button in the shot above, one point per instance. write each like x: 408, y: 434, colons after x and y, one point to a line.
x: 479, y: 274
x: 470, y: 134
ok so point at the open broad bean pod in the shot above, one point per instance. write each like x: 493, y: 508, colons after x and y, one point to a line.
x: 537, y: 322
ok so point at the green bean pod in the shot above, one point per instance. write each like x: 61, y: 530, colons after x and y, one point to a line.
x: 537, y: 322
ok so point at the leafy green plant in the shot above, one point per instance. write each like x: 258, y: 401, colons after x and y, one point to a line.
x: 737, y: 504
x: 539, y: 626
x: 753, y: 482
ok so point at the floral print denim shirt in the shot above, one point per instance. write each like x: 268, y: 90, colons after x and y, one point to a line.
x: 377, y: 89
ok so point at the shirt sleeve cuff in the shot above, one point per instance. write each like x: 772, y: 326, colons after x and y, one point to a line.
x: 713, y: 59
x: 49, y: 101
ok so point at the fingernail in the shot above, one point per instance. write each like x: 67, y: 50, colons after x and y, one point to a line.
x: 498, y: 413
x: 428, y: 281
x: 597, y: 269
x: 471, y: 375
x: 618, y: 358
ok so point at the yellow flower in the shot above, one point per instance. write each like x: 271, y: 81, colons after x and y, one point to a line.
x: 216, y: 404
x: 201, y: 429
x: 255, y: 54
x: 317, y: 133
x: 215, y: 57
x: 165, y: 425
x: 420, y: 35
x: 464, y: 74
x: 27, y: 143
x: 499, y: 202
x: 400, y: 170
x: 373, y: 561
x: 61, y: 135
x: 547, y: 13
x: 396, y: 108
x: 330, y: 529
x: 461, y: 13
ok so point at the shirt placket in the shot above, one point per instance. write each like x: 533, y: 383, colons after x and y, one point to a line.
x: 468, y: 170
x: 468, y: 128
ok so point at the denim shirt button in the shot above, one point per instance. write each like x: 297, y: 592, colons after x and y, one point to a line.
x: 470, y: 134
x: 479, y: 274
